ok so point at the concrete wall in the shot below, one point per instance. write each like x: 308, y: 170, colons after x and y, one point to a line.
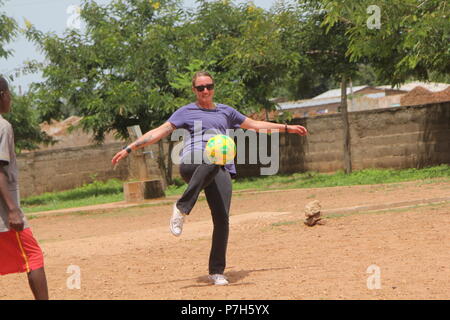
x: 366, y: 103
x: 62, y: 169
x: 401, y: 137
x: 68, y: 168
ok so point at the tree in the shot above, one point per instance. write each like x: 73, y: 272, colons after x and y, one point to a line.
x: 220, y: 45
x: 323, y: 51
x: 258, y: 56
x: 115, y: 73
x: 133, y: 64
x: 8, y: 30
x: 24, y: 119
x: 411, y: 40
x: 241, y: 46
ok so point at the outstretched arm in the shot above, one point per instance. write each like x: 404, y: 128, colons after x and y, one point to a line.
x: 151, y: 137
x: 264, y: 125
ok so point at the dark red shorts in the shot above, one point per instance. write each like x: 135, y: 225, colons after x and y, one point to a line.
x: 19, y: 252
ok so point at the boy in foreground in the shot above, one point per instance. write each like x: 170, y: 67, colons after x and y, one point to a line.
x: 19, y: 250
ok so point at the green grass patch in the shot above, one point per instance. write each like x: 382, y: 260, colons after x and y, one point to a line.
x: 88, y: 194
x: 95, y: 189
x: 362, y: 177
x: 67, y: 204
x: 319, y: 180
x: 129, y: 211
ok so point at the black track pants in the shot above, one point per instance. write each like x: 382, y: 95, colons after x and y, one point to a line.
x: 216, y: 182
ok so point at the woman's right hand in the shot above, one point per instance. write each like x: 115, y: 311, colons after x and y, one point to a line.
x: 119, y: 156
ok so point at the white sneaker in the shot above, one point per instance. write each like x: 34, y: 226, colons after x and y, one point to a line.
x: 176, y: 222
x: 218, y: 279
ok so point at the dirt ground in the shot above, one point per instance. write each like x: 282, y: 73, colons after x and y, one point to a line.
x: 128, y: 253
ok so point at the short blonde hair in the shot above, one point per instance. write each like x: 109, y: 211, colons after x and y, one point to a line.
x: 201, y: 74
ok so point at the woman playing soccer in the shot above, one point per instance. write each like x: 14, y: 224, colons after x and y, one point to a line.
x: 215, y: 180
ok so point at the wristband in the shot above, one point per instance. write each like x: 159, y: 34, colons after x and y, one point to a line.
x: 127, y: 148
x: 285, y: 128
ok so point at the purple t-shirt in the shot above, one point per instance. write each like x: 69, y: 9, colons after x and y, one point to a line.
x: 203, y: 124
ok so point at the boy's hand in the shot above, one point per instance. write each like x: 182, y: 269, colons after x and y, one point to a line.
x: 15, y: 219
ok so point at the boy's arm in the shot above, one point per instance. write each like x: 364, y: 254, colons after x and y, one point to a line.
x: 14, y: 214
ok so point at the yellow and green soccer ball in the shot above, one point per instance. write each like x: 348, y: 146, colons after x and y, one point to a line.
x: 220, y: 149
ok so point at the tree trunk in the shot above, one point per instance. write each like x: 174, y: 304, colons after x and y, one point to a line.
x: 346, y: 127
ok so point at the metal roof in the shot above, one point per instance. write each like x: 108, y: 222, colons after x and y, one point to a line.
x: 430, y: 86
x: 309, y: 103
x: 337, y: 92
x: 334, y: 96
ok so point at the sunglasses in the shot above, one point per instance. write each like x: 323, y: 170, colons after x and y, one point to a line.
x: 202, y: 88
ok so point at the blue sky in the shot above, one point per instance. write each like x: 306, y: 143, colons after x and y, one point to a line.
x: 49, y: 15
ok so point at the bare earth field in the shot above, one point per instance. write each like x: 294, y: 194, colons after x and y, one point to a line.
x: 128, y: 253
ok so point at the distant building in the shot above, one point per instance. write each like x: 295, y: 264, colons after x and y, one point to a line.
x: 67, y: 134
x: 367, y: 98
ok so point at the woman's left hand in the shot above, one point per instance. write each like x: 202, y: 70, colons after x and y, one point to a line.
x: 297, y: 129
